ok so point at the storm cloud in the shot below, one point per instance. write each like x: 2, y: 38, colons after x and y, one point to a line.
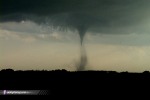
x: 102, y: 16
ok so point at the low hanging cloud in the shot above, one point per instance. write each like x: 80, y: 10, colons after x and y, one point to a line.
x: 29, y: 31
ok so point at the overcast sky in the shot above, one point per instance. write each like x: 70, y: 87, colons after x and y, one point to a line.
x: 43, y: 34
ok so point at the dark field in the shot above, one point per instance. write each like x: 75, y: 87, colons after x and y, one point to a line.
x: 62, y: 82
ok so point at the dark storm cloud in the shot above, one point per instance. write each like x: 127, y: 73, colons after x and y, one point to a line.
x: 106, y: 16
x: 101, y: 16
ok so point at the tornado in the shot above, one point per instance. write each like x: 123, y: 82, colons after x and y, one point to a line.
x: 80, y: 22
x: 83, y: 56
x: 83, y: 59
